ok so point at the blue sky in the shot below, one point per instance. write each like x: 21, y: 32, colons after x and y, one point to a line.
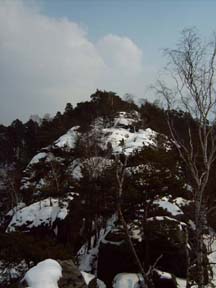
x: 152, y: 24
x: 58, y: 51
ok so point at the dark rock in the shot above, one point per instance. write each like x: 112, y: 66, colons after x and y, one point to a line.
x: 93, y: 283
x: 114, y: 257
x: 71, y: 276
x: 164, y: 280
x: 166, y: 238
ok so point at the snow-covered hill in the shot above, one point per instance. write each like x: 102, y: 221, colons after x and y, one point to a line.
x: 69, y: 189
x: 121, y: 134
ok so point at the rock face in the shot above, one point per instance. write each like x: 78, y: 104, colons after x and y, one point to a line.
x: 71, y: 276
x: 164, y: 280
x: 166, y: 239
x: 114, y: 257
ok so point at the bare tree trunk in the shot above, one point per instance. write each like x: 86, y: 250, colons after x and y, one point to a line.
x: 188, y: 259
x: 120, y: 175
x: 132, y: 248
x: 199, y: 246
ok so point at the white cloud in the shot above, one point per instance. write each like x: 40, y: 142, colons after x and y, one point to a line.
x: 46, y: 62
x: 121, y: 53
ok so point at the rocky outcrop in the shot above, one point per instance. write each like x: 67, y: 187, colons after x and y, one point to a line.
x: 167, y: 239
x: 164, y: 237
x: 51, y: 272
x: 71, y: 276
x: 114, y: 257
x: 164, y: 280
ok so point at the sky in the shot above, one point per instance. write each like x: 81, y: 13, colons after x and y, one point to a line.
x: 58, y: 51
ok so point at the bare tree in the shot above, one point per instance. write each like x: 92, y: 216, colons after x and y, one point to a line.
x: 55, y: 178
x: 10, y: 181
x: 120, y: 177
x: 193, y: 88
x: 93, y: 168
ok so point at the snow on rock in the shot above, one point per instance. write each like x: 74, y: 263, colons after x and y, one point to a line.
x: 181, y: 202
x: 100, y: 284
x: 171, y: 208
x: 188, y: 187
x: 211, y: 253
x: 87, y: 259
x: 89, y: 277
x: 126, y: 119
x: 127, y: 280
x: 96, y: 165
x: 37, y: 158
x: 164, y: 275
x: 123, y: 140
x: 45, y: 274
x: 181, y: 282
x: 164, y: 218
x: 124, y: 137
x: 135, y: 232
x: 75, y: 169
x: 115, y: 232
x: 68, y: 140
x: 19, y: 206
x: 43, y: 212
x: 212, y: 259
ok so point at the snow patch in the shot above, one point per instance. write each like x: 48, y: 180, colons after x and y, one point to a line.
x: 37, y: 158
x: 88, y: 259
x: 68, y: 140
x: 19, y: 206
x: 45, y: 274
x: 123, y: 140
x: 89, y: 277
x: 75, y: 169
x: 181, y: 202
x: 126, y: 119
x: 171, y: 208
x: 181, y: 282
x: 164, y: 275
x: 164, y: 218
x: 44, y: 212
x: 127, y: 280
